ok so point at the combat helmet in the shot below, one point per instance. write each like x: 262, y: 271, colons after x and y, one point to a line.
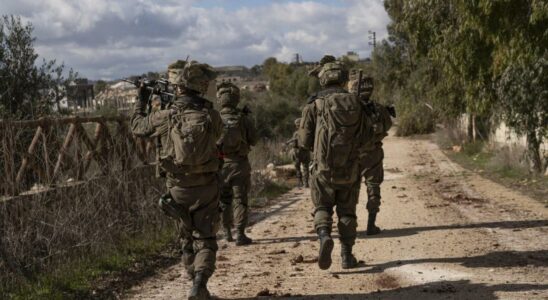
x: 196, y: 77
x: 333, y: 73
x: 228, y: 94
x: 174, y: 71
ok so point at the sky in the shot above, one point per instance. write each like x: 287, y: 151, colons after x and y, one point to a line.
x: 109, y: 39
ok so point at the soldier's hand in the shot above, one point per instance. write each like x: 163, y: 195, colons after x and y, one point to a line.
x: 144, y: 93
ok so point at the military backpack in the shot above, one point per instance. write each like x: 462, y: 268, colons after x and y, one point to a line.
x: 192, y: 143
x: 232, y: 140
x: 341, y: 130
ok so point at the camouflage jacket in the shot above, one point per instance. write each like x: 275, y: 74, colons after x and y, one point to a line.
x: 381, y: 121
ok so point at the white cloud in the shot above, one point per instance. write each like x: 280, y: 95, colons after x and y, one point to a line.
x: 108, y: 38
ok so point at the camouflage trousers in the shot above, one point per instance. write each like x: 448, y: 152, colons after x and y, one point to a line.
x: 302, y: 170
x: 235, y: 184
x: 301, y: 159
x: 373, y: 173
x: 199, y: 225
x: 343, y: 198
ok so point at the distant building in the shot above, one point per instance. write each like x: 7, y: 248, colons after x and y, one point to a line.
x: 80, y: 93
x: 232, y: 79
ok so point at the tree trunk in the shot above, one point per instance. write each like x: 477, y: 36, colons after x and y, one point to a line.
x: 474, y: 128
x: 470, y: 129
x: 533, y: 153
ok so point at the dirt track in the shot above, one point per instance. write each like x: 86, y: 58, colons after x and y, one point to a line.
x: 448, y: 234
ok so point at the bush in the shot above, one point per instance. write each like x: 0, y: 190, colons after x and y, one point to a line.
x: 414, y: 118
x: 273, y: 115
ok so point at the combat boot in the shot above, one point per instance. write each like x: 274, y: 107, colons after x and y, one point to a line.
x: 371, y: 228
x: 300, y: 183
x: 228, y: 234
x: 199, y: 287
x: 326, y: 247
x: 348, y: 260
x: 242, y: 239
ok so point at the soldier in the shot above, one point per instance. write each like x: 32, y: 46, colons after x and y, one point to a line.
x: 371, y: 156
x: 334, y: 127
x: 300, y: 156
x: 238, y: 136
x: 189, y: 130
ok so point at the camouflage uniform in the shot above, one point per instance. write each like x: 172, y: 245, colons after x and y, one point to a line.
x: 371, y: 157
x: 371, y: 162
x: 236, y: 170
x: 301, y: 158
x: 194, y: 189
x: 327, y: 193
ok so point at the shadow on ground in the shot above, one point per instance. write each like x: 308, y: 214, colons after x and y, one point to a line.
x: 501, y: 259
x: 462, y: 289
x: 402, y: 232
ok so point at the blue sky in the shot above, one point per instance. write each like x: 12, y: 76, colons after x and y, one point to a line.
x: 108, y: 39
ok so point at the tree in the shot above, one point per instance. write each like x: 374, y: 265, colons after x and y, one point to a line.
x: 26, y: 91
x: 524, y: 105
x: 100, y: 86
x: 485, y: 58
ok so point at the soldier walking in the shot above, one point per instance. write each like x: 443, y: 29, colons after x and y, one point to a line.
x: 371, y: 156
x: 300, y: 156
x: 189, y: 130
x: 334, y: 127
x: 238, y: 136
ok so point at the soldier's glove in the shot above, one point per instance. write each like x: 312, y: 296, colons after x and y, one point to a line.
x: 144, y: 94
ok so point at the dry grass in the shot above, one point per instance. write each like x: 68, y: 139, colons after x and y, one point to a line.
x: 46, y: 228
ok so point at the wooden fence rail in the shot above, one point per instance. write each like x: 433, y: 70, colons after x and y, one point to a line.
x: 49, y: 151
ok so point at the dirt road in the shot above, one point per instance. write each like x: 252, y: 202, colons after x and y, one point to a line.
x: 447, y: 234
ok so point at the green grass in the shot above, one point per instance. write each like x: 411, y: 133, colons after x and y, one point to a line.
x: 500, y: 168
x: 75, y: 278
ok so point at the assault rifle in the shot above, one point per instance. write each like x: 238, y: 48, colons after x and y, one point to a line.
x: 159, y: 87
x: 155, y: 87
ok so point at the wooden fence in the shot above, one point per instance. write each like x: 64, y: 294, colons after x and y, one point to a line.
x: 41, y: 154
